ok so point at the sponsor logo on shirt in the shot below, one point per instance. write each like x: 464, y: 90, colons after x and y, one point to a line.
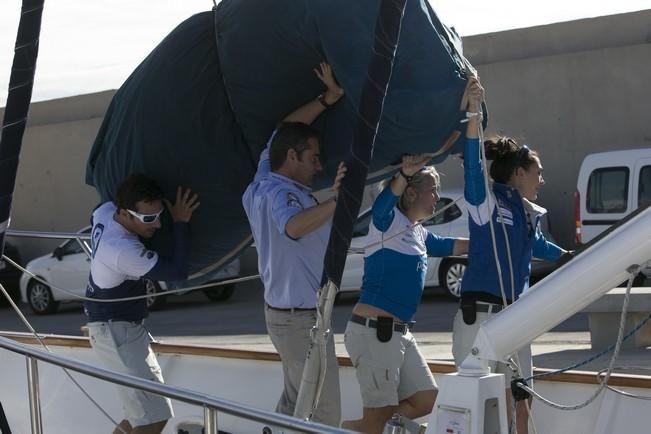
x: 293, y: 201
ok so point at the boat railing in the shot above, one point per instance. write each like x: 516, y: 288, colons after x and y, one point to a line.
x: 211, y: 405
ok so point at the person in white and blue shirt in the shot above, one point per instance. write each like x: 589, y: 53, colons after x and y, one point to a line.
x: 516, y: 177
x: 120, y: 262
x: 392, y: 373
x: 291, y: 230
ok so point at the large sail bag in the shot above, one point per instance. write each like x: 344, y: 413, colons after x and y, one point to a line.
x: 199, y: 109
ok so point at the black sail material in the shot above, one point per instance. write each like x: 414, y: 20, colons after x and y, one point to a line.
x: 387, y: 33
x: 21, y: 83
x: 200, y: 108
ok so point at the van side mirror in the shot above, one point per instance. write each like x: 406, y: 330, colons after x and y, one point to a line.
x: 57, y: 253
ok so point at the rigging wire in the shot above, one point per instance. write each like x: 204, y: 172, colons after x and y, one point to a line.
x: 44, y: 345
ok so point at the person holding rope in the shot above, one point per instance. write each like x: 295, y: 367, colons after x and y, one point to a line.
x: 392, y: 373
x: 119, y: 264
x: 291, y: 231
x: 499, y: 257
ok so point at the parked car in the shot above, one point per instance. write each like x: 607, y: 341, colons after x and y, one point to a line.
x: 10, y: 275
x: 68, y: 267
x: 610, y: 186
x: 446, y: 273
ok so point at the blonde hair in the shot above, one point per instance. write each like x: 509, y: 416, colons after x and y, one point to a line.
x: 416, y: 182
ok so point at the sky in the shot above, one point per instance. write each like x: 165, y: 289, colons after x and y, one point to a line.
x: 93, y: 45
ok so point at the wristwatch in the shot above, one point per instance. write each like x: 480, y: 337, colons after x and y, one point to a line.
x: 323, y: 101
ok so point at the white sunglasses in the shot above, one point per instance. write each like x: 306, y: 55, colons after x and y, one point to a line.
x: 146, y: 218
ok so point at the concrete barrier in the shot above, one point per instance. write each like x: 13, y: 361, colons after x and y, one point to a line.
x: 604, y: 316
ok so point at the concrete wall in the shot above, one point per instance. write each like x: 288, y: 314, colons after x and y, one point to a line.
x: 50, y: 193
x: 567, y: 89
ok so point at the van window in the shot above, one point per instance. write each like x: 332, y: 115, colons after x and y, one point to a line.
x: 644, y: 189
x: 608, y: 190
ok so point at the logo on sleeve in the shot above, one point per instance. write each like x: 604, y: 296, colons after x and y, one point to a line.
x: 146, y: 253
x: 96, y: 237
x: 292, y: 201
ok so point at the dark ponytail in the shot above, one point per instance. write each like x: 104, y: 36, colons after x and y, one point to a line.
x: 507, y: 155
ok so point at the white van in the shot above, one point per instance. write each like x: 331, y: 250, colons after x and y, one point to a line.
x: 611, y: 185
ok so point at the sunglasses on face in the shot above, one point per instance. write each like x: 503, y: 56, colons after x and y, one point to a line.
x: 146, y: 218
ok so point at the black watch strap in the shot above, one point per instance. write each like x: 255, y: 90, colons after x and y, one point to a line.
x: 407, y: 178
x: 323, y: 101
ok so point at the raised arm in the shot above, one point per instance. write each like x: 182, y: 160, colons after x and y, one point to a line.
x: 175, y: 267
x: 310, y: 219
x: 310, y: 111
x: 474, y: 189
x: 383, y: 206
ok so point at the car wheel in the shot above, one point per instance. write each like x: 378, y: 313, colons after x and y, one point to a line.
x: 154, y: 303
x: 40, y: 298
x: 220, y: 293
x: 451, y: 275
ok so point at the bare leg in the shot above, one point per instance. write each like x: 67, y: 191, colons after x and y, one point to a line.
x: 373, y: 419
x: 123, y: 428
x: 417, y: 405
x: 152, y: 428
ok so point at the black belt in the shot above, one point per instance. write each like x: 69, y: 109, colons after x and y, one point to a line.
x: 482, y: 306
x: 291, y: 309
x: 400, y: 327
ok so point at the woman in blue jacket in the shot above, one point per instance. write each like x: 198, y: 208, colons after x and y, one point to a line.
x: 489, y: 284
x: 392, y: 373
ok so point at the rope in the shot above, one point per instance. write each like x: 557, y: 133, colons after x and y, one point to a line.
x: 137, y: 297
x: 603, y: 384
x: 44, y: 345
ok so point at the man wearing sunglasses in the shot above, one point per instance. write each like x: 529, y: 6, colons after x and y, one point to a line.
x: 119, y: 264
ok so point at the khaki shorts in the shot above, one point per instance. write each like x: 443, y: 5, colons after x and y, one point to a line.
x: 387, y: 372
x: 463, y: 336
x: 124, y: 347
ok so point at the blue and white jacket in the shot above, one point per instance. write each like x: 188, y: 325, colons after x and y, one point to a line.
x: 395, y: 266
x: 522, y: 222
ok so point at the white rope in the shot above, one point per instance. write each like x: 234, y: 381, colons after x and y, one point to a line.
x: 137, y: 297
x: 621, y: 392
x: 603, y: 384
x: 362, y: 250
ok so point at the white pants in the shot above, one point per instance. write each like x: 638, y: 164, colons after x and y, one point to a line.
x: 124, y: 347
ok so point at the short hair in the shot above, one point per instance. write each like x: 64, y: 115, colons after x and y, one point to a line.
x: 289, y: 135
x: 135, y: 188
x: 507, y: 155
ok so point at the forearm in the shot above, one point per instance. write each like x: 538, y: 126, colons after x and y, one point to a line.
x: 474, y: 188
x: 306, y: 113
x: 460, y: 246
x: 383, y: 208
x: 176, y: 266
x: 310, y: 219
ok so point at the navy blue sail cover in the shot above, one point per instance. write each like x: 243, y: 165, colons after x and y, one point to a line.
x: 200, y: 108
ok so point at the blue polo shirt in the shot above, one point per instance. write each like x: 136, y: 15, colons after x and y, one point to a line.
x: 290, y: 269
